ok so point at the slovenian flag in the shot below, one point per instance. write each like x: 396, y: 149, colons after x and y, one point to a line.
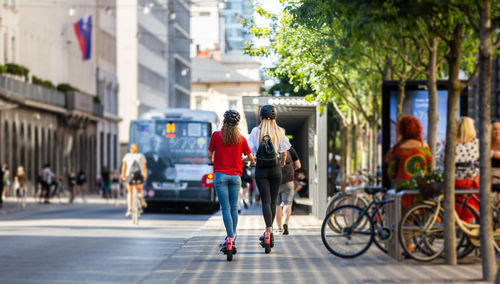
x: 83, y: 31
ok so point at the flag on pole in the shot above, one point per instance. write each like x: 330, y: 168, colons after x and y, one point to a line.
x: 83, y: 31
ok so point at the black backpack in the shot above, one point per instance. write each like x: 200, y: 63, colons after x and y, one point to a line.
x: 266, y: 155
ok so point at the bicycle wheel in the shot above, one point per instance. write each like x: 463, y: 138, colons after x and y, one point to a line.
x: 352, y: 234
x: 381, y: 227
x: 464, y: 245
x: 346, y: 199
x: 420, y: 236
x: 135, y: 208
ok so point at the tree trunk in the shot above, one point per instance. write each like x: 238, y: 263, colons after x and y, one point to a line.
x: 343, y: 157
x: 333, y: 163
x: 454, y: 89
x: 401, y: 98
x: 485, y: 64
x: 432, y: 88
x: 366, y: 146
x: 349, y: 151
x: 374, y: 154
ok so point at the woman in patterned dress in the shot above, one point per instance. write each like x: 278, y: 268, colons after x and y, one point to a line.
x: 409, y: 157
x: 466, y: 158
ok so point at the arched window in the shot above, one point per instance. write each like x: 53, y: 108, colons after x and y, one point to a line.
x: 22, y: 143
x: 15, y: 150
x: 29, y: 161
x: 7, y: 143
x: 36, y: 153
x: 43, y: 147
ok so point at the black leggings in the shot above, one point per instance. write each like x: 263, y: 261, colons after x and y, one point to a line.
x: 268, y: 182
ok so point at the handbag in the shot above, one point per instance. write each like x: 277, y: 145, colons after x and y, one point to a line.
x: 266, y: 155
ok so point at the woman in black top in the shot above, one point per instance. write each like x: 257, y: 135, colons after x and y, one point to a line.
x: 81, y: 180
x: 268, y: 178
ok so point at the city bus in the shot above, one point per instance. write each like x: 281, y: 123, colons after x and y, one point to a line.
x: 175, y: 144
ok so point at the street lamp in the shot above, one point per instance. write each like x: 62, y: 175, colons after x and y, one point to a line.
x: 71, y: 11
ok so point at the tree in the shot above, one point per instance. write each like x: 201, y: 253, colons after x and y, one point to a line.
x: 486, y: 49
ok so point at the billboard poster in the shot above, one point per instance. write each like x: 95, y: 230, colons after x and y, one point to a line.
x: 416, y: 103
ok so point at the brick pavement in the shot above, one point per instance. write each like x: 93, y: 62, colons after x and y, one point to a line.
x: 297, y: 258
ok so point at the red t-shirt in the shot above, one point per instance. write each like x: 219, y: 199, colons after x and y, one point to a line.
x: 227, y: 159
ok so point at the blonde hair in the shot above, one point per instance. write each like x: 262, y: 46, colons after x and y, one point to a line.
x: 466, y: 131
x: 269, y: 127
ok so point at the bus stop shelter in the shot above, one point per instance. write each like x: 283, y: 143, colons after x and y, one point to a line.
x: 307, y: 129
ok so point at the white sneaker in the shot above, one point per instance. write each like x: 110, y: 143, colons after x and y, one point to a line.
x: 128, y: 214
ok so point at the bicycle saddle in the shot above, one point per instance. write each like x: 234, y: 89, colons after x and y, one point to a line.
x: 373, y: 189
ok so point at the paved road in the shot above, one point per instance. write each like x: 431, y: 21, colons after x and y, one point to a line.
x: 88, y: 243
x: 94, y: 243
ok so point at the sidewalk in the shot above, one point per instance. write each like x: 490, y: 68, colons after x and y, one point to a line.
x: 297, y: 258
x: 10, y: 205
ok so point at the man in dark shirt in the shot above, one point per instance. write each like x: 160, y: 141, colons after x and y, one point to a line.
x: 286, y: 191
x: 301, y: 183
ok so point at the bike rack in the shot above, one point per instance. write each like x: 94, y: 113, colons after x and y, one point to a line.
x: 394, y: 215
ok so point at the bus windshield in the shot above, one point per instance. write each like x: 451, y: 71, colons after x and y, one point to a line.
x: 174, y: 149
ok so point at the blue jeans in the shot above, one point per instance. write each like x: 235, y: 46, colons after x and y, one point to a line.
x: 228, y: 189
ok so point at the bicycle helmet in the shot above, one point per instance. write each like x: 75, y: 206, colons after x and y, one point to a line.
x: 231, y: 117
x: 268, y: 112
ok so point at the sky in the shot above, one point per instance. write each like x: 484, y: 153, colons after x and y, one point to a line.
x: 273, y: 6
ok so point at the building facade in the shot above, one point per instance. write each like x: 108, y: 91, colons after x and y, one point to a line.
x: 153, y: 57
x: 40, y: 124
x: 222, y: 74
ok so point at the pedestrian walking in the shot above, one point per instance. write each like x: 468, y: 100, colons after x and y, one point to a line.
x: 71, y: 184
x: 246, y: 180
x: 269, y: 144
x: 81, y: 180
x: 47, y: 177
x: 115, y: 184
x: 5, y: 180
x: 20, y: 185
x: 105, y: 182
x: 225, y: 151
x: 135, y: 172
x: 287, y: 190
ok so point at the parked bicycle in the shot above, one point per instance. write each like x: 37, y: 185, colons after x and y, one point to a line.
x: 421, y: 230
x: 348, y: 231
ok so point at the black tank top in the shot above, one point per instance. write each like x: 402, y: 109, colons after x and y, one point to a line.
x: 495, y: 162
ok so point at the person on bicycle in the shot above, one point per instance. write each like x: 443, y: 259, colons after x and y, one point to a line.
x: 268, y: 177
x: 225, y: 151
x: 287, y: 190
x: 134, y: 171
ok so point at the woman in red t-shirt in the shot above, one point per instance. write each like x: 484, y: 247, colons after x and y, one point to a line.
x: 225, y: 152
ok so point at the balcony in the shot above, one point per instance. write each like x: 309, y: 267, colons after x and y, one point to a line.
x: 21, y: 92
x: 25, y: 91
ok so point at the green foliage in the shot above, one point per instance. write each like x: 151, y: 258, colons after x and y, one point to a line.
x: 65, y: 87
x: 3, y: 69
x: 44, y: 83
x: 97, y: 99
x: 18, y: 70
x: 284, y: 87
